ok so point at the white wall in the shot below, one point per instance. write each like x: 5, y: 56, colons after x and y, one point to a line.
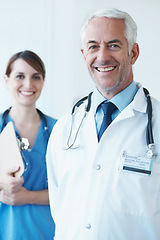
x: 51, y: 28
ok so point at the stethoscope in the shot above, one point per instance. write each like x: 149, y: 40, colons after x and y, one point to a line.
x: 149, y: 133
x: 23, y: 143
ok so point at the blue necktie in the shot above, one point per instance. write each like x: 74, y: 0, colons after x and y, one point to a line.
x: 108, y: 109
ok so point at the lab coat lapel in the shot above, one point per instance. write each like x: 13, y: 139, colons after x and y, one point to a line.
x: 138, y: 104
x: 90, y: 130
x: 90, y: 135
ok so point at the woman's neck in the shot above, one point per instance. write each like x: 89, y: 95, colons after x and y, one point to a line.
x: 24, y: 115
x: 27, y: 122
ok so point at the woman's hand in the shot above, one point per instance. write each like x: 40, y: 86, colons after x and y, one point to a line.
x: 9, y: 183
x: 23, y: 196
x: 14, y: 198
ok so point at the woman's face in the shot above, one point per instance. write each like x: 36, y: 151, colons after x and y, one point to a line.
x: 24, y: 83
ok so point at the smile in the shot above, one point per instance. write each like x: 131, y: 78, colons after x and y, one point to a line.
x: 107, y: 69
x: 27, y: 93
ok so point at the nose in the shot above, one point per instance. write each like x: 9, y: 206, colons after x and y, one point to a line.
x: 28, y: 82
x: 103, y: 54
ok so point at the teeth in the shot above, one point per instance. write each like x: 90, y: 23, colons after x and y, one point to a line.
x: 27, y: 93
x: 105, y: 69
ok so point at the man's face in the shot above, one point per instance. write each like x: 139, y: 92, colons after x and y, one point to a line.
x: 107, y: 56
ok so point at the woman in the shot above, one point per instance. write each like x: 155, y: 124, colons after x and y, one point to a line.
x: 24, y: 208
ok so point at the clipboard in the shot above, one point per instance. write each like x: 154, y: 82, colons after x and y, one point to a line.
x: 10, y: 155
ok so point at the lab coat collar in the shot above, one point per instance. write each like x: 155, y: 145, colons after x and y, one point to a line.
x: 121, y: 100
x: 139, y: 104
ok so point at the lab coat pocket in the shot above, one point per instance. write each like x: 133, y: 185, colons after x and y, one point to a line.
x: 136, y: 194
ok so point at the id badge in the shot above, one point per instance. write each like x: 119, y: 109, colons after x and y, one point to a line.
x: 136, y: 164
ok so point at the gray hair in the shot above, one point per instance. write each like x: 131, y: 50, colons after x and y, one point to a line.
x: 131, y: 27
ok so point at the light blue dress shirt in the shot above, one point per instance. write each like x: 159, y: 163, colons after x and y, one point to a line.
x: 121, y: 100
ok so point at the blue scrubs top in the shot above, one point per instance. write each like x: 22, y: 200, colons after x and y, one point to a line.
x: 27, y: 222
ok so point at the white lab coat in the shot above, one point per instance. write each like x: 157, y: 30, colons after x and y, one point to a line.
x: 91, y: 197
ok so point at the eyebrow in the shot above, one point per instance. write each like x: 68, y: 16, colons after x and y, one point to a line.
x: 111, y: 41
x: 24, y: 73
x: 91, y: 41
x: 38, y: 73
x: 115, y: 41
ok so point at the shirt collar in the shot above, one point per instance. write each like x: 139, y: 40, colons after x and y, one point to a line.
x: 121, y: 100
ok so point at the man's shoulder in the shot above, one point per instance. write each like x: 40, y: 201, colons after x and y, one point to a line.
x: 155, y: 104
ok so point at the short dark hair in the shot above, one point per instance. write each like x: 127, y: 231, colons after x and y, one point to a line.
x: 31, y: 58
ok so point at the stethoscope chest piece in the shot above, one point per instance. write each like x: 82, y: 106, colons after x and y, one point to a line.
x: 23, y: 143
x: 150, y: 151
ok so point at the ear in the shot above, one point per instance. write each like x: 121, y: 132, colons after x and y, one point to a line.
x: 6, y: 78
x: 134, y: 53
x: 82, y: 51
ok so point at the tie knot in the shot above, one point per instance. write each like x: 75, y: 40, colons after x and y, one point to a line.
x: 108, y: 108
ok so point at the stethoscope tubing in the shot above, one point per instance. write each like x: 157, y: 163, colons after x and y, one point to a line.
x: 149, y: 133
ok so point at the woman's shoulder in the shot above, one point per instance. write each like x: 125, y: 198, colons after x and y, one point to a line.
x: 48, y: 120
x: 1, y: 114
x: 46, y: 117
x: 1, y: 120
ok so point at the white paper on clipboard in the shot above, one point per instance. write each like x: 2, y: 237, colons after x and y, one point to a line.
x: 10, y: 155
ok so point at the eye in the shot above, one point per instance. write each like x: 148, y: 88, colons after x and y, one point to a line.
x: 20, y: 76
x: 113, y: 46
x: 37, y: 77
x: 93, y: 47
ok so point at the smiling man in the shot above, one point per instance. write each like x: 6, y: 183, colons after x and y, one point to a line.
x: 107, y: 55
x: 103, y: 172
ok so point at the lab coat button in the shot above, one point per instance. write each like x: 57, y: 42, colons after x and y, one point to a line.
x: 98, y: 167
x: 88, y: 226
